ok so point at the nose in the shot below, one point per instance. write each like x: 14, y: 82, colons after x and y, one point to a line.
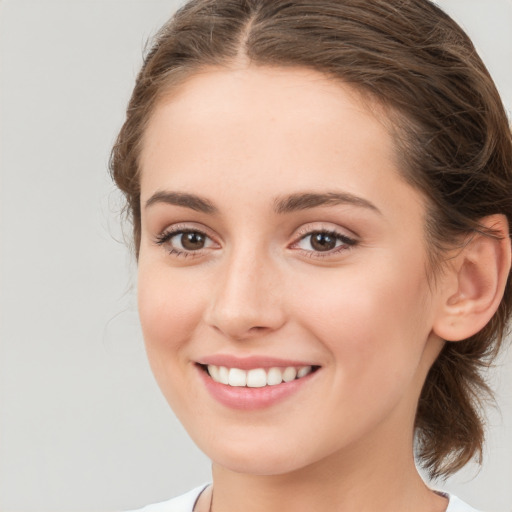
x: 247, y: 298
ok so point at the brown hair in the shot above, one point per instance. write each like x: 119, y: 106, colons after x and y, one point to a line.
x: 450, y: 129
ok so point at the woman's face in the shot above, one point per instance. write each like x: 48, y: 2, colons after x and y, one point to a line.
x: 282, y: 273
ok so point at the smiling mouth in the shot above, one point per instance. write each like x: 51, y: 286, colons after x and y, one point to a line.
x: 256, y: 377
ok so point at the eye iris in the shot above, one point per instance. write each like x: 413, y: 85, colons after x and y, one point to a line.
x: 192, y: 241
x: 323, y: 242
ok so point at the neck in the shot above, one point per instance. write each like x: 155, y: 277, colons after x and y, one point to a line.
x: 348, y: 481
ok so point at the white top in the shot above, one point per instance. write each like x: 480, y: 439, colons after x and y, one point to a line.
x: 186, y: 503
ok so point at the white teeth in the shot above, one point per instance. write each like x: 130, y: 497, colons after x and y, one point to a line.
x: 274, y: 377
x: 289, y: 374
x: 223, y: 375
x: 257, y: 377
x: 237, y: 377
x: 214, y: 372
x: 305, y: 370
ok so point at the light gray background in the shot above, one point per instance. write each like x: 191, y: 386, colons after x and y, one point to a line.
x: 82, y: 424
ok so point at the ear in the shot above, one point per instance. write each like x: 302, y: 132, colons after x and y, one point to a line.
x: 474, y: 281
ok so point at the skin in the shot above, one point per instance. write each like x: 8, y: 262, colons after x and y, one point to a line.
x: 364, y: 313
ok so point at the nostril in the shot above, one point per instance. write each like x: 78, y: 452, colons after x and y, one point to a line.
x: 243, y: 321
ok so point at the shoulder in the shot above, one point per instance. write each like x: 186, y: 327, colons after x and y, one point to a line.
x: 457, y: 505
x: 183, y: 503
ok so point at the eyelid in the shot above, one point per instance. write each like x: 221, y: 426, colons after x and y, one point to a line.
x: 165, y: 235
x: 324, y: 227
x: 347, y: 237
x: 179, y: 227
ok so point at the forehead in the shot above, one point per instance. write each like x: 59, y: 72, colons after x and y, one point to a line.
x: 260, y: 86
x: 276, y: 96
x: 268, y: 131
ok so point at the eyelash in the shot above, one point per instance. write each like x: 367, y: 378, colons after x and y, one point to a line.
x: 163, y: 238
x: 346, y: 242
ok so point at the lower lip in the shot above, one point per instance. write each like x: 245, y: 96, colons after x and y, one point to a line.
x: 246, y: 398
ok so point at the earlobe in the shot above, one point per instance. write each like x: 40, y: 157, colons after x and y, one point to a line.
x: 475, y: 282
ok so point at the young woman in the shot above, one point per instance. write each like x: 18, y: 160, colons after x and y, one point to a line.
x: 320, y: 197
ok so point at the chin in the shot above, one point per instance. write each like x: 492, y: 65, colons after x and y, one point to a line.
x: 262, y: 466
x: 259, y: 459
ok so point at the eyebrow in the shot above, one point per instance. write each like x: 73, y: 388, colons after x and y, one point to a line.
x: 282, y: 205
x: 192, y: 201
x: 304, y: 201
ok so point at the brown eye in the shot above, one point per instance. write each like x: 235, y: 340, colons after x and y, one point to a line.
x: 185, y: 242
x: 192, y: 240
x: 323, y: 241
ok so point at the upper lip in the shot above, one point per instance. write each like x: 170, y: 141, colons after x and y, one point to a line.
x: 250, y: 362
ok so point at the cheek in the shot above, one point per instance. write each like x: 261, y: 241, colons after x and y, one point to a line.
x: 369, y: 320
x: 169, y: 309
